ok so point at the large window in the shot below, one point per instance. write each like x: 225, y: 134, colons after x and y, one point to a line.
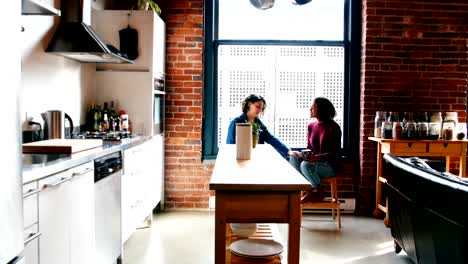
x: 289, y: 54
x: 289, y: 77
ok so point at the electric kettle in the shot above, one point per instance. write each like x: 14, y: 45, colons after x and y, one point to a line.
x: 54, y: 124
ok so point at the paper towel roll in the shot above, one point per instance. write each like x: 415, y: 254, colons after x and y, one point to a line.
x: 243, y: 141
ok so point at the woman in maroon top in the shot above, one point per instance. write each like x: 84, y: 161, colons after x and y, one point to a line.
x: 323, y: 146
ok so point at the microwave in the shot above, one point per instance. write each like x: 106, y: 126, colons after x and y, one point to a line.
x: 159, y: 96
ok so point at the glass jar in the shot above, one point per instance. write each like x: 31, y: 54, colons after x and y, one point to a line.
x: 447, y: 131
x: 434, y: 130
x: 422, y: 130
x: 387, y: 128
x: 451, y: 117
x: 397, y: 130
x: 379, y: 118
x: 436, y: 117
x: 410, y: 130
x: 461, y: 131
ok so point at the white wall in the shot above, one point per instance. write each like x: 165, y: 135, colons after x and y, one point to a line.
x: 51, y: 82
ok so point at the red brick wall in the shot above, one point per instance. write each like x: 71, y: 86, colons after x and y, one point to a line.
x: 414, y: 58
x: 186, y: 178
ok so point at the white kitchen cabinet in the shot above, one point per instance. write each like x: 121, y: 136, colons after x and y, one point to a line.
x: 66, y: 210
x: 31, y: 244
x: 155, y: 172
x: 30, y: 203
x: 54, y: 217
x: 141, y: 184
x: 81, y: 192
x: 151, y: 37
x: 132, y: 85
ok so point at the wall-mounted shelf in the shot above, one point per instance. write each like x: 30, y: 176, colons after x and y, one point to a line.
x: 36, y: 7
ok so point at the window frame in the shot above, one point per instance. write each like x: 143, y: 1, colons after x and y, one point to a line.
x: 352, y: 58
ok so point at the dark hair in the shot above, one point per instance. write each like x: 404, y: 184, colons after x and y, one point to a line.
x: 325, y: 108
x: 253, y: 98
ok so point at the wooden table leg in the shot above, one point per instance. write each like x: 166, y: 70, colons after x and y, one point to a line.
x: 378, y: 187
x: 387, y: 216
x: 462, y: 171
x: 447, y: 163
x: 294, y: 233
x: 220, y: 230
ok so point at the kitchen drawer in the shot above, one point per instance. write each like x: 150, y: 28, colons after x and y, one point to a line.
x: 56, y: 180
x: 31, y: 244
x: 30, y: 204
x: 446, y: 148
x: 81, y: 169
x: 404, y: 148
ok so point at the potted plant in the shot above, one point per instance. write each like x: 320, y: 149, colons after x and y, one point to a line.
x: 256, y: 129
x: 149, y: 5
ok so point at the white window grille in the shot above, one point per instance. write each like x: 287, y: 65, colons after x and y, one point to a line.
x: 289, y: 77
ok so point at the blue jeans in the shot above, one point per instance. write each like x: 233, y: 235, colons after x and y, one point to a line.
x: 312, y: 171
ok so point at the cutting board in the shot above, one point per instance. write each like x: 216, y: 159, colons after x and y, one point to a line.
x: 62, y: 146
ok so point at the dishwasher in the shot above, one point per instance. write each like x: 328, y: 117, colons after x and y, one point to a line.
x: 107, y: 191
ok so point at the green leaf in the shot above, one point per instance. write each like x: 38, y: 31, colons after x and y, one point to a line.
x: 256, y: 128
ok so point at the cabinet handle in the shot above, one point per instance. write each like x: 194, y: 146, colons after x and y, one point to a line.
x: 32, y: 236
x: 62, y: 180
x: 31, y: 192
x: 137, y: 150
x: 76, y: 174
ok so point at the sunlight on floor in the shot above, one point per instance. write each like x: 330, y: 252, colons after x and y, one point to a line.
x: 180, y: 237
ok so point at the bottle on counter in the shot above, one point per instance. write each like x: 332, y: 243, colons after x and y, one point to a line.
x: 89, y: 123
x: 105, y: 110
x: 97, y: 118
x: 105, y: 122
x: 112, y: 112
x: 124, y: 125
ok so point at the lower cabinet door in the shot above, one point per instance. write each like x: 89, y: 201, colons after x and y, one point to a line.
x: 81, y: 193
x: 54, y: 215
x: 128, y: 204
x: 31, y: 245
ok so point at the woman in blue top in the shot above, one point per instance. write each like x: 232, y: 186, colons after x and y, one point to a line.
x: 252, y: 107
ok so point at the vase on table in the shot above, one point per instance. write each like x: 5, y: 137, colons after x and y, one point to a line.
x: 254, y: 140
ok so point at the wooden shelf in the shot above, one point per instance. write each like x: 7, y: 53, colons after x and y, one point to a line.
x: 264, y: 231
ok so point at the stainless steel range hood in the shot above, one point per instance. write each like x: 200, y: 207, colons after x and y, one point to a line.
x: 77, y: 41
x: 36, y: 7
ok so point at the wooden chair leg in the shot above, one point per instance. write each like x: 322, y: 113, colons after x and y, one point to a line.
x: 335, y: 196
x: 333, y: 204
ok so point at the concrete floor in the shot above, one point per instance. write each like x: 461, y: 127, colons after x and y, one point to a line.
x: 180, y: 237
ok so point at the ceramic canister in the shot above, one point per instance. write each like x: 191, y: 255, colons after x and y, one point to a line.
x: 243, y: 141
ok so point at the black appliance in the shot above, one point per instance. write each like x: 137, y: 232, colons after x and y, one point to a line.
x: 159, y: 94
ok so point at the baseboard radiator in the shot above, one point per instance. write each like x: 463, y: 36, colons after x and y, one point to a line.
x: 347, y: 206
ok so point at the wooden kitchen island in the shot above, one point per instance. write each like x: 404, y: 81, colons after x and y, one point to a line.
x: 264, y: 189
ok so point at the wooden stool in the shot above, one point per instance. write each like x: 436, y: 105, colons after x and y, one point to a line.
x: 328, y: 203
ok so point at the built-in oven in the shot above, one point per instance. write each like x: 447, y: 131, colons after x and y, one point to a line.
x: 159, y: 96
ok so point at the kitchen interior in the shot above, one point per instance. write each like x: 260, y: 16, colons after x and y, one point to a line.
x: 114, y: 197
